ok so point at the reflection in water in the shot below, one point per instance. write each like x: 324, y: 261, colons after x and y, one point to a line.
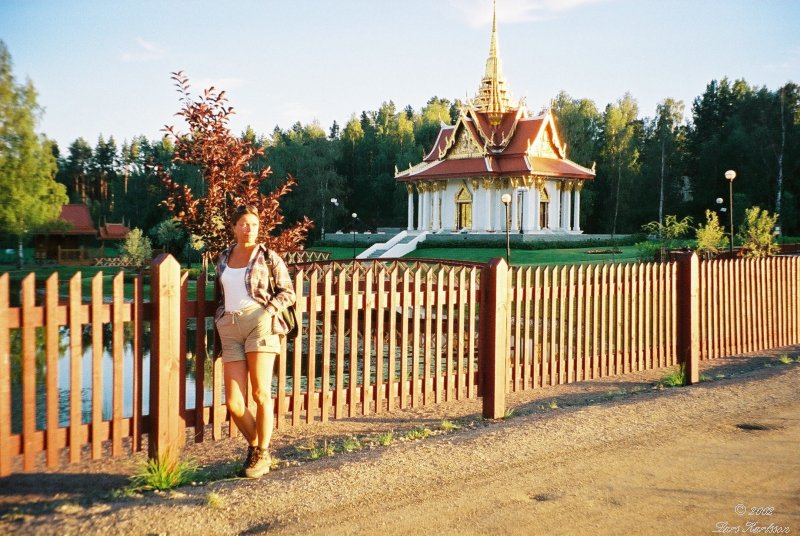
x: 107, y: 368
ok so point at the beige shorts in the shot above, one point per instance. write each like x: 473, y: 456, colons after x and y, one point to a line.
x: 247, y: 330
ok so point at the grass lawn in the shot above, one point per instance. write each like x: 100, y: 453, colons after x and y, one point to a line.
x: 519, y: 257
x: 527, y: 257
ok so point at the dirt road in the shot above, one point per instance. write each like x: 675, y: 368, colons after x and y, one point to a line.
x: 616, y: 457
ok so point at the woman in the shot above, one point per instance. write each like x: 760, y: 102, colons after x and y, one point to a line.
x: 250, y: 326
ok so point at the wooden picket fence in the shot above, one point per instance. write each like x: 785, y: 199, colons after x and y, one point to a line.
x: 376, y: 336
x: 575, y: 323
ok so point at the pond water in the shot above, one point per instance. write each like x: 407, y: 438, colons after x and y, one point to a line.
x: 107, y: 367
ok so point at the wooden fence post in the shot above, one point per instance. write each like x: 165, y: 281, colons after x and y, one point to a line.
x: 165, y: 296
x: 495, y: 349
x: 688, y: 317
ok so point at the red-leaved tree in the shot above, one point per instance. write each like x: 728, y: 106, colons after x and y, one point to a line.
x: 230, y: 178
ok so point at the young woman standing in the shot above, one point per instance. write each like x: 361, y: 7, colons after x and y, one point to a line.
x: 250, y: 328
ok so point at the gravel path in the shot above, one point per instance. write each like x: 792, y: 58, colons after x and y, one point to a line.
x: 615, y: 456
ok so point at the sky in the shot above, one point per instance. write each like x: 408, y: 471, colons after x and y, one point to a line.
x: 103, y: 67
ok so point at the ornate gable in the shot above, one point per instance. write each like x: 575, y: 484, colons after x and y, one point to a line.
x: 462, y: 144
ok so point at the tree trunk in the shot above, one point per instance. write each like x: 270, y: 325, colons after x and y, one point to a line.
x: 616, y: 202
x: 19, y: 252
x: 779, y: 186
x: 661, y: 189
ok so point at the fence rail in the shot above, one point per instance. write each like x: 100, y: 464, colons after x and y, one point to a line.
x: 376, y: 336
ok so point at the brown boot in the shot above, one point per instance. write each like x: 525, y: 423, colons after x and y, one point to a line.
x: 247, y: 461
x: 259, y: 464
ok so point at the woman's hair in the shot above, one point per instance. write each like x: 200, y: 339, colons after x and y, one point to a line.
x: 241, y: 210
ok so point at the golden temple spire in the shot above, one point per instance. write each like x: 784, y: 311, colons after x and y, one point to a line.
x: 492, y: 94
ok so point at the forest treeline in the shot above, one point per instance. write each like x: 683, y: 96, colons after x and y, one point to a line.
x: 647, y: 167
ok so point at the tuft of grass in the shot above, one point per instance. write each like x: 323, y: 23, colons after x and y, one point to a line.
x: 614, y: 393
x: 385, y: 439
x: 215, y: 500
x: 164, y: 473
x: 449, y: 426
x: 675, y: 379
x: 705, y: 378
x: 509, y: 413
x: 321, y: 451
x: 719, y: 376
x: 418, y: 432
x: 785, y: 359
x: 350, y: 444
x: 552, y: 404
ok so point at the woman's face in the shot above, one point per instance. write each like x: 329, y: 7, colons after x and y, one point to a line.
x: 246, y: 229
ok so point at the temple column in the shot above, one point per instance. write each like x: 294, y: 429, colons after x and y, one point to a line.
x: 420, y: 207
x: 435, y: 211
x: 536, y: 202
x: 477, y: 207
x: 487, y: 216
x: 410, y: 190
x: 577, y: 219
x: 568, y: 207
x: 514, y: 208
x: 527, y: 211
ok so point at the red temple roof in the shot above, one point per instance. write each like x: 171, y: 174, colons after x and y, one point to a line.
x: 505, y: 150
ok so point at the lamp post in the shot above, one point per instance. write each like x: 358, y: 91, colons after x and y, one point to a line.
x: 730, y: 175
x: 355, y: 217
x: 506, y: 199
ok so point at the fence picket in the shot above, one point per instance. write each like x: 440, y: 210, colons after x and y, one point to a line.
x: 339, y: 394
x: 137, y: 319
x: 327, y: 303
x: 5, y: 379
x: 97, y: 364
x: 352, y: 383
x: 305, y: 306
x: 117, y: 329
x: 51, y: 367
x: 380, y: 392
x: 570, y: 331
x: 75, y: 356
x: 473, y: 306
x: 28, y: 299
x: 448, y: 366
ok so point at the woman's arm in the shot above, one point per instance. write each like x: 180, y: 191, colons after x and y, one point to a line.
x: 284, y: 289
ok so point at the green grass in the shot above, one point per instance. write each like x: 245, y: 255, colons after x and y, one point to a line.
x: 509, y: 413
x: 419, y: 432
x: 165, y: 472
x: 786, y: 360
x: 350, y: 444
x: 323, y: 450
x: 521, y: 257
x: 449, y: 426
x: 385, y: 439
x: 215, y: 500
x: 675, y: 379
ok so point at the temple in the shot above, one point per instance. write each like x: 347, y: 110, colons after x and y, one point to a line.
x: 496, y: 148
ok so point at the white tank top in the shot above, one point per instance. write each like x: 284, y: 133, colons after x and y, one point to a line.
x: 236, y: 296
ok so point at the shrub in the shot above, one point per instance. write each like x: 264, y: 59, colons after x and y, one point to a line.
x: 711, y: 237
x: 668, y: 233
x: 756, y: 235
x: 137, y: 248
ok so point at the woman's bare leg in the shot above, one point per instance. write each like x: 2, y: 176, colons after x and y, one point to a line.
x: 236, y: 400
x: 261, y: 367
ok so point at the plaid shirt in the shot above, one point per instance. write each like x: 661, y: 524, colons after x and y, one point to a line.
x: 262, y: 265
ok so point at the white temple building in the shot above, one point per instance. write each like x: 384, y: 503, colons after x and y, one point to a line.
x: 496, y: 148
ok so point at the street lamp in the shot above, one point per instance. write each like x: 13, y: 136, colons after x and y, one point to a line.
x: 355, y: 217
x: 730, y: 175
x: 335, y: 203
x: 506, y: 199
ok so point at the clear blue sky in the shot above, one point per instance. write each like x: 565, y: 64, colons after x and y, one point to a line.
x: 103, y: 67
